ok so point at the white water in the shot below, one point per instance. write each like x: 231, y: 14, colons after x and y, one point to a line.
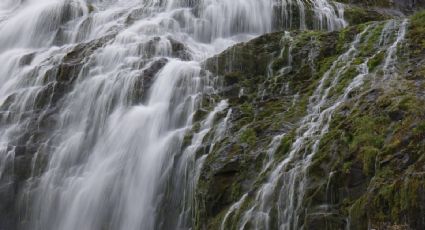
x: 288, y: 176
x: 232, y: 208
x: 286, y: 185
x: 391, y: 55
x: 328, y: 15
x: 113, y: 160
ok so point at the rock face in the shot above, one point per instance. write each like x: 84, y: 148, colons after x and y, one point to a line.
x: 367, y: 170
x: 320, y: 130
x: 402, y: 5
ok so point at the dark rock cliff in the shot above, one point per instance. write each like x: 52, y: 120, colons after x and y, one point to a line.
x: 368, y: 170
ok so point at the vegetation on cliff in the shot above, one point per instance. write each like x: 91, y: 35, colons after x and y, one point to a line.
x: 368, y: 171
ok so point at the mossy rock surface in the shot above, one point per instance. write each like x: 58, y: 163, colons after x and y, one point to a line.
x: 374, y: 148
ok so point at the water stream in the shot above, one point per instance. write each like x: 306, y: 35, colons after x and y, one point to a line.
x: 98, y: 96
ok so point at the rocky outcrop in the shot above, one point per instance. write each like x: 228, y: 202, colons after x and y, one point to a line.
x: 406, y: 6
x: 368, y: 169
x: 359, y: 11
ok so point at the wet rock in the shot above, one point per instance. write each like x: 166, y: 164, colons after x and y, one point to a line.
x: 220, y: 190
x: 26, y: 59
x: 396, y: 115
x: 179, y: 50
x: 321, y: 221
x: 405, y: 6
x: 145, y: 80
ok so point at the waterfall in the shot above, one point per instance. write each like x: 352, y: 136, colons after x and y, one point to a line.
x: 96, y: 98
x: 391, y: 56
x: 284, y: 190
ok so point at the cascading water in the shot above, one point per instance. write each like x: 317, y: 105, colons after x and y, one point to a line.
x: 283, y: 193
x: 98, y: 95
x: 290, y: 192
x: 391, y: 56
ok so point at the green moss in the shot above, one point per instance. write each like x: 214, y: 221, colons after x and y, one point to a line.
x: 410, y: 193
x: 358, y: 214
x: 232, y: 78
x: 417, y: 31
x: 375, y: 61
x: 410, y: 103
x: 279, y: 63
x: 356, y: 15
x: 325, y: 64
x: 346, y: 167
x: 344, y: 81
x: 368, y: 155
x: 366, y: 139
x: 286, y: 143
x: 342, y: 39
x: 368, y: 132
x: 296, y: 110
x: 374, y: 142
x: 248, y: 136
x: 419, y: 130
x: 270, y: 108
x: 247, y: 109
x: 91, y: 8
x: 371, y: 42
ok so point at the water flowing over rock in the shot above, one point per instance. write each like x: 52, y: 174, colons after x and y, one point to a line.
x: 209, y: 114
